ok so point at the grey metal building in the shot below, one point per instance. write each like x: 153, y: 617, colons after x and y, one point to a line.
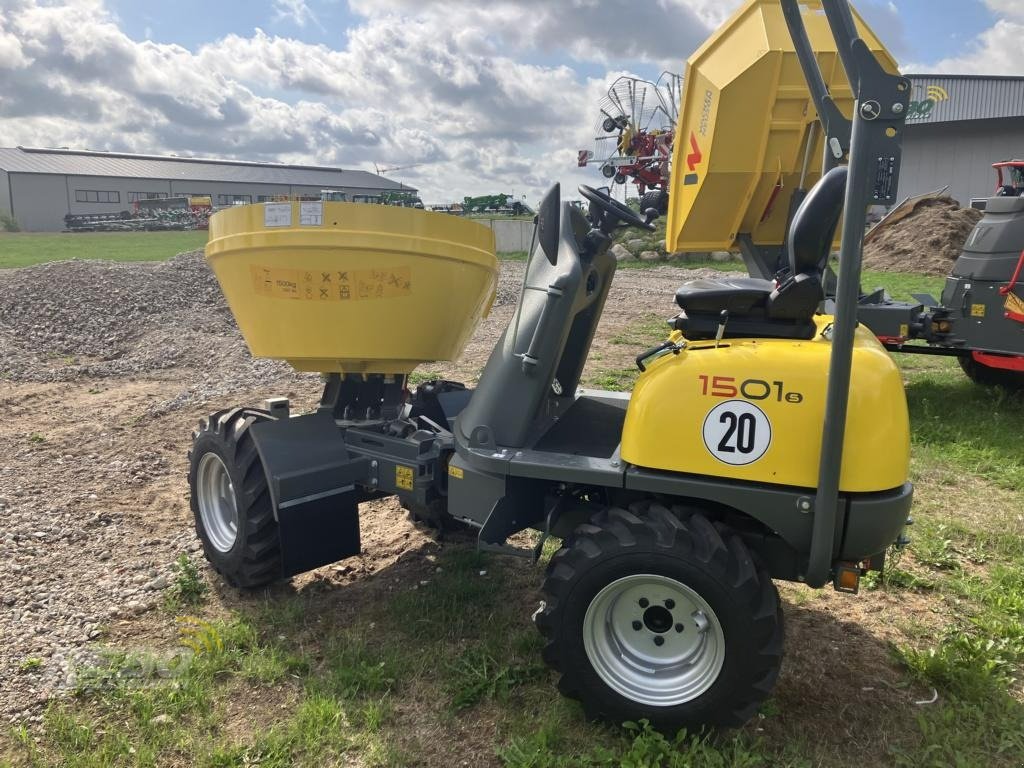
x: 957, y: 126
x: 39, y: 186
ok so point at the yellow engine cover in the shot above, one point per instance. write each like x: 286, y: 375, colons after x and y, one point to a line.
x: 753, y: 409
x: 347, y: 287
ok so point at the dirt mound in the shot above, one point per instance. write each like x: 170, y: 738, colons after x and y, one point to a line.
x: 928, y: 240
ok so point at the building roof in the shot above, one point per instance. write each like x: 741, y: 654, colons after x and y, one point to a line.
x: 949, y: 98
x: 90, y: 163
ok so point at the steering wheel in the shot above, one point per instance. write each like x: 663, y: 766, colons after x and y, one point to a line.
x: 614, y: 208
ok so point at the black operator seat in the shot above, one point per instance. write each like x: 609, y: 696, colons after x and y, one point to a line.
x: 782, y: 308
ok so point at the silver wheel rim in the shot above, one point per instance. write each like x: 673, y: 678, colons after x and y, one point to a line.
x: 633, y: 662
x: 217, y: 507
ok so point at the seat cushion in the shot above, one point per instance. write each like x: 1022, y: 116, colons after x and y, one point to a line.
x: 738, y: 295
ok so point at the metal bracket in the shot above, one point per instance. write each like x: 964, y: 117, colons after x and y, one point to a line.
x: 880, y: 109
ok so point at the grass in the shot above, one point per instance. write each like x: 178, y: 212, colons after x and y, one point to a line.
x: 188, y: 587
x: 25, y: 249
x: 433, y: 660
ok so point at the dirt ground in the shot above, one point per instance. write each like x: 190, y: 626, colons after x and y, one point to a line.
x: 105, y: 369
x: 927, y: 241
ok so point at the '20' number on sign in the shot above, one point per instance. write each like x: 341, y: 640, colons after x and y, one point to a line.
x: 737, y: 432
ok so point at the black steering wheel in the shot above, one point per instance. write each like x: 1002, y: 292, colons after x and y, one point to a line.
x: 613, y: 208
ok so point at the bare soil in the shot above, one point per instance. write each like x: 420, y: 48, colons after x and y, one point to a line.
x: 927, y: 241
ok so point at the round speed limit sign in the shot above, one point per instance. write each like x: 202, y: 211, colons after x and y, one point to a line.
x: 737, y: 432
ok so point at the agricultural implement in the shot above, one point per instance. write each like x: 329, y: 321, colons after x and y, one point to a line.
x: 640, y: 117
x: 979, y: 317
x: 763, y: 440
x: 503, y: 204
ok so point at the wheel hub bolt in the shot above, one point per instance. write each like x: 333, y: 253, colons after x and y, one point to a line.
x: 638, y: 625
x: 643, y: 602
x: 659, y: 640
x: 670, y: 603
x: 679, y: 627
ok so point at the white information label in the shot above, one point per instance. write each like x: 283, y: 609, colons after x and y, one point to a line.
x: 277, y: 214
x: 737, y: 432
x: 311, y: 214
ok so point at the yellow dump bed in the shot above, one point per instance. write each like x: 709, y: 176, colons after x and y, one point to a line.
x: 744, y: 125
x: 348, y: 287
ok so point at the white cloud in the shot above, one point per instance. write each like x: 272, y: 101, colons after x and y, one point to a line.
x: 465, y: 91
x: 295, y: 11
x: 998, y: 50
x: 1006, y: 8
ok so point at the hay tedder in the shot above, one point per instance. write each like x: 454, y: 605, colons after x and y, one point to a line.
x: 638, y: 118
x: 763, y: 440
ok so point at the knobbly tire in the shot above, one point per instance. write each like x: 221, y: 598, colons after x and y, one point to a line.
x: 230, y: 499
x: 988, y: 376
x: 656, y: 199
x: 630, y: 577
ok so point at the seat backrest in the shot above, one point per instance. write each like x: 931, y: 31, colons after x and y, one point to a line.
x: 814, y: 224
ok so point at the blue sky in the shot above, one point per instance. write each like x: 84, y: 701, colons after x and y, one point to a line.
x: 928, y: 30
x: 477, y: 97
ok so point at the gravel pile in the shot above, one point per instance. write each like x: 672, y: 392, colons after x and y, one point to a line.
x: 97, y: 319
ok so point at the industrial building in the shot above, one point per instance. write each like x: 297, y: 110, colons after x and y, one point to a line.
x: 957, y: 126
x: 38, y: 187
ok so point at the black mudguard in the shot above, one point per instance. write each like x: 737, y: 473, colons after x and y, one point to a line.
x: 313, y: 484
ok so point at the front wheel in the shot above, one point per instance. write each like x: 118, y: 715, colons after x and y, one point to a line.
x: 648, y: 616
x: 230, y: 500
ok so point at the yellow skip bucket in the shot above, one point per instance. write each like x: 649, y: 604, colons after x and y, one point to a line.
x: 352, y: 288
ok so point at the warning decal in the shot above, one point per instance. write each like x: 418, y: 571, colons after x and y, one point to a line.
x: 737, y: 432
x: 334, y: 285
x: 311, y: 214
x: 277, y: 215
x: 403, y: 477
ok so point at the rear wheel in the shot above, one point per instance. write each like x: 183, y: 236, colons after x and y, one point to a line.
x: 647, y: 616
x: 986, y: 375
x: 656, y: 199
x: 230, y: 500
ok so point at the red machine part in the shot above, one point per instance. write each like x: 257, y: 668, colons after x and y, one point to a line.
x: 1002, y: 362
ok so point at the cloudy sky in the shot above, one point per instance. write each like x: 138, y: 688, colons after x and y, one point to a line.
x: 477, y: 96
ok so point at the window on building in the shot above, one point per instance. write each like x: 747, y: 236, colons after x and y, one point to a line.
x: 96, y: 196
x: 134, y: 197
x: 233, y: 199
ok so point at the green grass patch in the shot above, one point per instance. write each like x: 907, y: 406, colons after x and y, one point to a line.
x: 188, y: 587
x: 25, y: 249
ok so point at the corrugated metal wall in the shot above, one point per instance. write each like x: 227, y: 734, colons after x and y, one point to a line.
x: 941, y: 98
x: 958, y: 154
x: 5, y: 197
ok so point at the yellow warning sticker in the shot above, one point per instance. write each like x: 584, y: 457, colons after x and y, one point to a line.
x: 904, y: 330
x: 403, y: 477
x: 333, y: 285
x: 977, y: 310
x: 1014, y: 304
x: 455, y: 472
